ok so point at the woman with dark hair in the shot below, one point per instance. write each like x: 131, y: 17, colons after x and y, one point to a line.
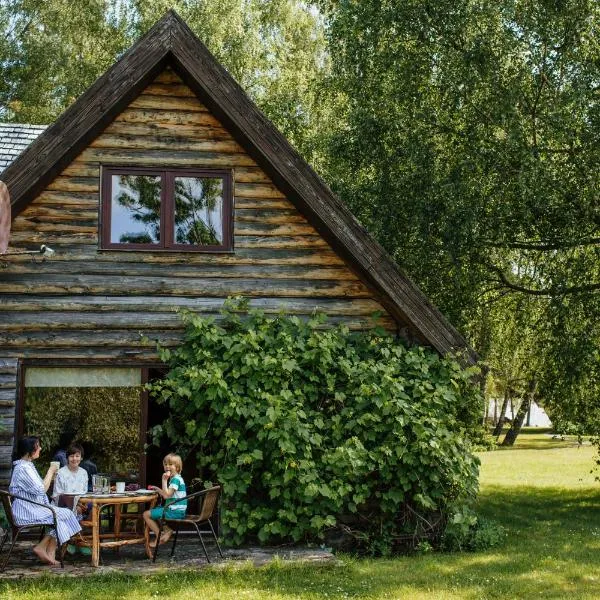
x: 26, y: 482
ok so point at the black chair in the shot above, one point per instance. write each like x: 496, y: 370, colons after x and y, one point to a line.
x: 15, y: 529
x: 207, y: 502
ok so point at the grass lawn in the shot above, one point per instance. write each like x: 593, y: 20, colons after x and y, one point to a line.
x: 541, y: 491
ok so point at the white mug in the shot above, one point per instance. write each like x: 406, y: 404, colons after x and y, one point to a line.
x: 120, y: 487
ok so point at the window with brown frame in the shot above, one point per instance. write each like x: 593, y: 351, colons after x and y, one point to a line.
x: 189, y: 210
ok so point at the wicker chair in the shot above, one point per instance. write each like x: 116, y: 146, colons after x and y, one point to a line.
x: 207, y: 502
x: 15, y: 529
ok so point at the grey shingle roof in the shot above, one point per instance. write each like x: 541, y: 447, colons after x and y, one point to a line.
x: 14, y: 138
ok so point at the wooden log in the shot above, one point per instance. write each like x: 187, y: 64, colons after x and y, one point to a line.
x: 65, y: 199
x: 242, y: 256
x: 193, y: 132
x: 166, y: 286
x: 54, y: 213
x: 149, y: 101
x: 166, y: 159
x: 34, y: 238
x: 7, y: 397
x: 254, y: 190
x: 358, y: 307
x: 264, y: 229
x: 89, y: 337
x: 242, y: 203
x: 79, y: 169
x: 170, y: 89
x: 292, y: 242
x: 42, y: 226
x: 269, y: 217
x: 75, y: 184
x: 168, y: 117
x: 141, y: 323
x: 196, y: 271
x: 168, y: 76
x: 164, y: 143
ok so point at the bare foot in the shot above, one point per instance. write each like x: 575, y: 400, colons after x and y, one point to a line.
x: 166, y: 536
x: 43, y: 556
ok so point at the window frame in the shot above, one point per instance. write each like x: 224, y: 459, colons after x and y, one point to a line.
x: 167, y: 208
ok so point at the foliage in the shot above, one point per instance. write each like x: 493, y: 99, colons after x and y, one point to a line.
x: 308, y: 428
x: 466, y: 142
x: 468, y: 531
x: 112, y: 435
x: 53, y: 50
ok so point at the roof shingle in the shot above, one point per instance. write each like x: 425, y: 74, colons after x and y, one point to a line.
x: 14, y: 138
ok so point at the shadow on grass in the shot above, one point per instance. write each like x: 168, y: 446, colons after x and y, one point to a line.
x: 551, y: 551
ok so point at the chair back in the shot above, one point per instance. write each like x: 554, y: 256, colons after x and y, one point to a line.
x: 209, y: 503
x: 7, y: 505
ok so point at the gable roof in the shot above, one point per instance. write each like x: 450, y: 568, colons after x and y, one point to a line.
x: 14, y: 138
x: 171, y: 42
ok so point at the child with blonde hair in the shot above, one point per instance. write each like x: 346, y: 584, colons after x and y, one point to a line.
x: 172, y: 490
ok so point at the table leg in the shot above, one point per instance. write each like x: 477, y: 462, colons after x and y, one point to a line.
x: 95, y: 535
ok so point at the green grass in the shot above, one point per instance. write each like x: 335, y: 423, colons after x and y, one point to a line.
x: 541, y: 491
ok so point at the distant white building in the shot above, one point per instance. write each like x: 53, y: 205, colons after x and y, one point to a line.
x: 537, y: 416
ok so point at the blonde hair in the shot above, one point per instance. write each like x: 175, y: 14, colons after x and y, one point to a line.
x: 173, y: 459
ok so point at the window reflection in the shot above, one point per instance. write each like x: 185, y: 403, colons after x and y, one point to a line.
x: 198, y: 216
x: 135, y: 209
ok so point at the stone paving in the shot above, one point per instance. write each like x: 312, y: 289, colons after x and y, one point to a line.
x: 133, y: 560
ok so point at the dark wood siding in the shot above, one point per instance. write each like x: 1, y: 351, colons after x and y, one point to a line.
x: 85, y: 302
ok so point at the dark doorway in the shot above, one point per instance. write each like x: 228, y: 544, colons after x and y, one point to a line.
x: 157, y: 414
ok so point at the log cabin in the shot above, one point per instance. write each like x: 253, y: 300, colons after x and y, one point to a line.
x: 164, y: 187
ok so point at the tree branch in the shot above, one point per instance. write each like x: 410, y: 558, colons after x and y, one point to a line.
x: 541, y: 245
x: 553, y: 291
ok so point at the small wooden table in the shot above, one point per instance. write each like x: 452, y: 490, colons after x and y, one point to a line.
x: 116, y: 538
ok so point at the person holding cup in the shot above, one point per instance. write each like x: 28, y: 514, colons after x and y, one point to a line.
x: 71, y: 479
x: 25, y: 481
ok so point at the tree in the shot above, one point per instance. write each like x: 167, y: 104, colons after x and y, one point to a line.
x: 52, y: 50
x: 469, y: 147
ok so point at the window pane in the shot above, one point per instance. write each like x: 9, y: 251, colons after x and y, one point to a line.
x: 198, y: 211
x: 104, y: 420
x: 135, y: 209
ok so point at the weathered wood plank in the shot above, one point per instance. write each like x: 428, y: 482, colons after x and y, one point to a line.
x: 148, y: 101
x: 242, y: 256
x: 74, y: 184
x: 167, y: 286
x: 253, y: 190
x: 7, y: 397
x: 170, y: 89
x: 196, y: 271
x: 354, y: 307
x: 133, y: 142
x: 33, y: 238
x: 264, y: 229
x: 167, y: 117
x: 166, y: 159
x: 193, y: 132
x: 43, y: 226
x: 118, y: 320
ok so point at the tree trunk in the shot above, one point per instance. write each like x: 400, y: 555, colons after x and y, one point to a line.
x: 502, y: 418
x: 515, y: 428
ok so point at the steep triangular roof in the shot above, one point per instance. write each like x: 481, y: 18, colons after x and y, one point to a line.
x: 171, y: 42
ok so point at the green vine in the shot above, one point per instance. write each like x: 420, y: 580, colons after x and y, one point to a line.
x: 314, y: 430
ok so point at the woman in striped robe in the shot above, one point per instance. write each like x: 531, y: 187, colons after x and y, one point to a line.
x: 26, y: 482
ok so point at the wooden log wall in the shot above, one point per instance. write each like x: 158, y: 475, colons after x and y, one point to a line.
x: 85, y: 303
x: 8, y: 397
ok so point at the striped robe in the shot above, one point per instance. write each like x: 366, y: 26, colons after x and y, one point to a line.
x: 26, y: 482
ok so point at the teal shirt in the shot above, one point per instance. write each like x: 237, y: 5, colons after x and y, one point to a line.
x: 178, y: 485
